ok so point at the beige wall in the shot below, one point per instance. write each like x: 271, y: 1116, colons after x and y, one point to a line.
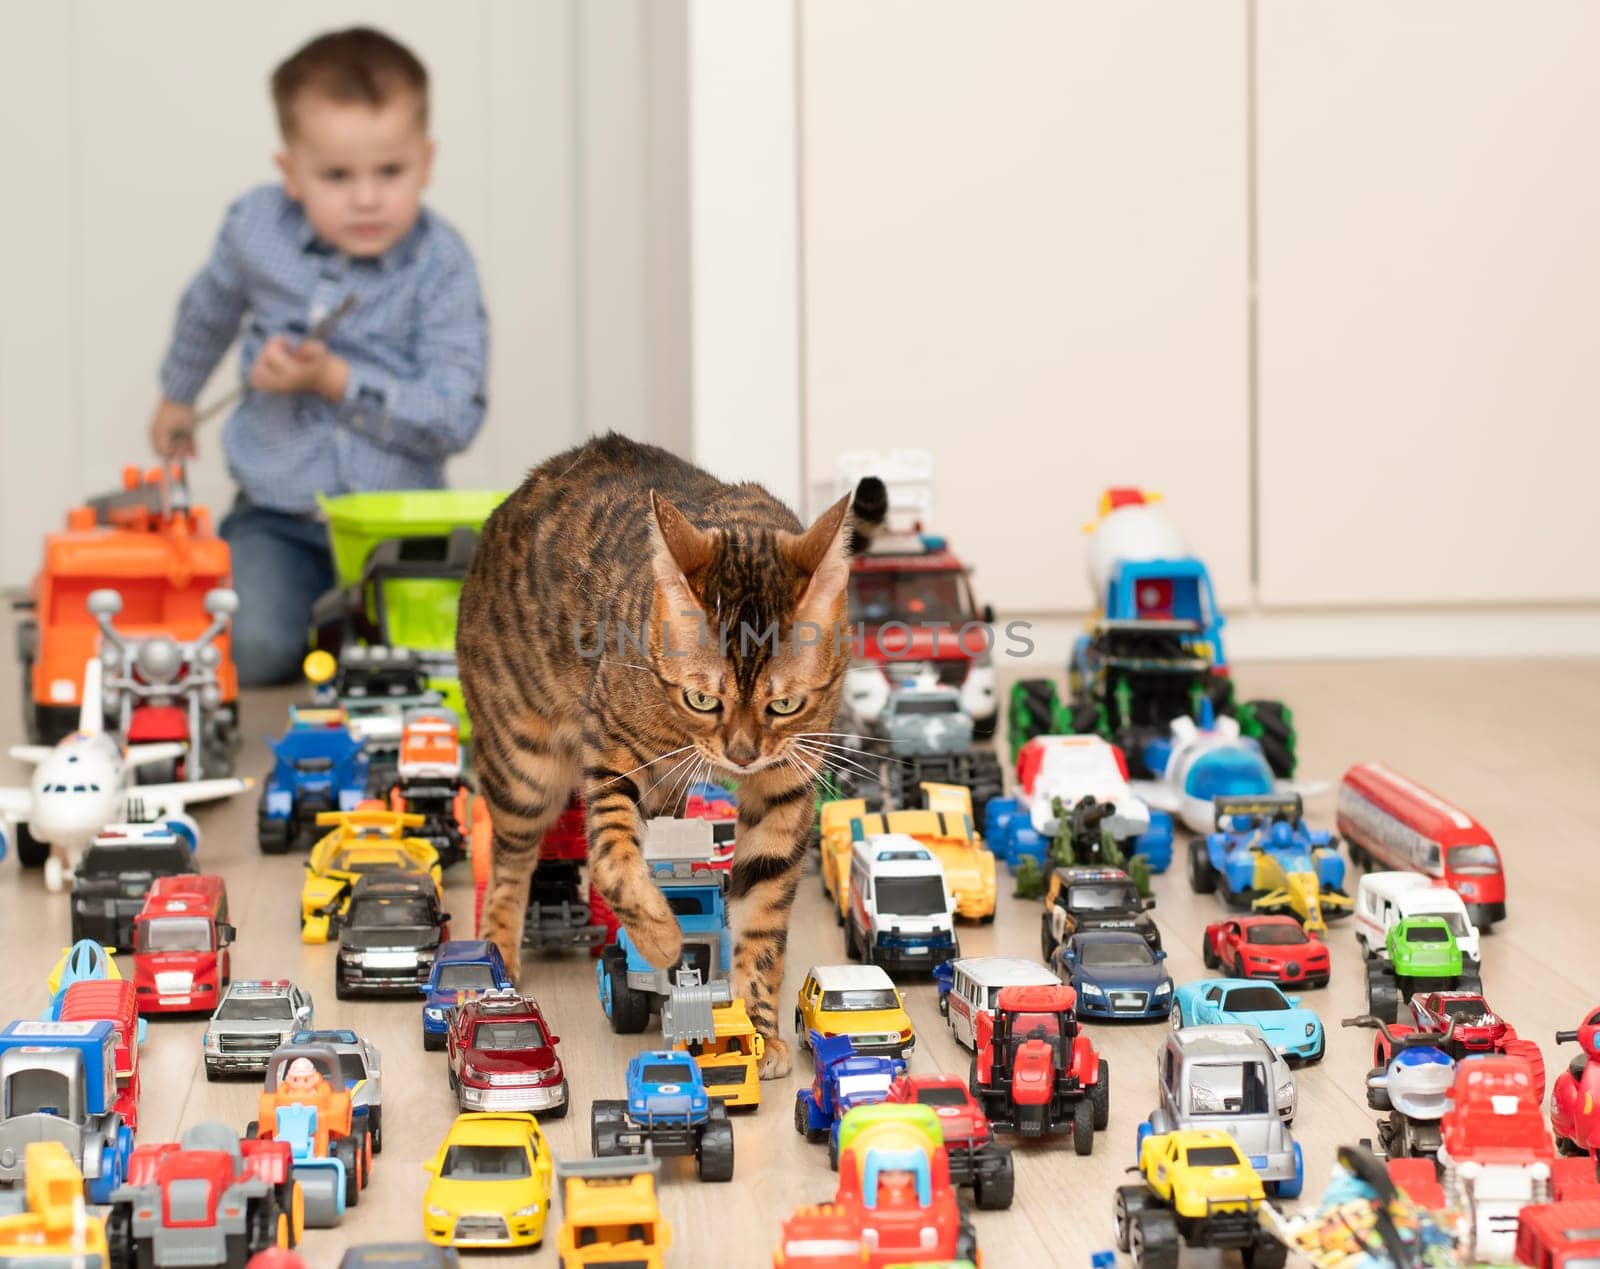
x: 1026, y: 247
x: 126, y: 129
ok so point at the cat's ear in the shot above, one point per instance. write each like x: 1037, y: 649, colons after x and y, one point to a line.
x: 821, y: 552
x: 679, y: 551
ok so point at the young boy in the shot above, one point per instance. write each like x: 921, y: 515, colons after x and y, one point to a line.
x: 397, y: 385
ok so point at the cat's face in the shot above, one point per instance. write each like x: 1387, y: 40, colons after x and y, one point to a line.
x: 748, y: 637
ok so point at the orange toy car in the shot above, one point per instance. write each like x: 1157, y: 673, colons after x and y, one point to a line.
x: 158, y: 552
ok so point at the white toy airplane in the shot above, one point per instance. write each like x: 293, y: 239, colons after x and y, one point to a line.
x: 1206, y: 763
x: 86, y: 782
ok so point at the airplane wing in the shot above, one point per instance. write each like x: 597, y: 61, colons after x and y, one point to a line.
x: 33, y: 755
x: 174, y: 797
x: 1156, y: 794
x: 16, y: 804
x: 143, y: 755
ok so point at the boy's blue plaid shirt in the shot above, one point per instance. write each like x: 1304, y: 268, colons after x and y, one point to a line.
x: 416, y: 341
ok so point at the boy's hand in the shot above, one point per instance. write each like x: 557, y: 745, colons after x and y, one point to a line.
x: 172, y: 430
x: 304, y: 367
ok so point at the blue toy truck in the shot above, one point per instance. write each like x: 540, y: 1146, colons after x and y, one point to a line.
x: 462, y: 969
x: 59, y: 1081
x: 320, y: 766
x: 678, y: 853
x: 844, y: 1079
x: 667, y: 1108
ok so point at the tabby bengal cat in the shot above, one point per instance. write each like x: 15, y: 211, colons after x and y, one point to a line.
x: 615, y: 639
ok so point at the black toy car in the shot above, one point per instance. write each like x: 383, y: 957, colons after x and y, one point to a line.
x: 115, y: 873
x: 389, y: 935
x: 1094, y: 899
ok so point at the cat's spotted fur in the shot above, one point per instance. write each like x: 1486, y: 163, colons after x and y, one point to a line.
x: 590, y: 629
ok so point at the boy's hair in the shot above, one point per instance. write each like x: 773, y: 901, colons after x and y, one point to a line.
x: 358, y: 65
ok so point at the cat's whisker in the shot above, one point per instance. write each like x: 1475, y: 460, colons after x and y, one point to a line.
x: 676, y: 767
x: 643, y: 765
x: 843, y: 756
x: 841, y: 764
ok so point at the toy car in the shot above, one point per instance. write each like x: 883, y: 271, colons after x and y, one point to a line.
x: 1116, y: 975
x: 163, y: 688
x: 1093, y: 899
x: 429, y: 781
x: 1292, y: 1031
x: 113, y: 1001
x: 678, y: 853
x: 668, y: 1110
x: 900, y: 911
x: 254, y: 1017
x: 111, y: 880
x: 1420, y: 954
x: 319, y: 765
x: 1263, y: 856
x: 1276, y: 948
x: 844, y: 1079
x: 389, y: 935
x: 159, y: 552
x: 204, y: 1201
x: 181, y: 961
x: 860, y: 1001
x: 366, y: 840
x: 45, y: 1223
x: 1069, y: 769
x: 462, y: 969
x: 970, y: 985
x: 1224, y: 1077
x: 60, y: 1085
x: 503, y: 1056
x: 1035, y: 1072
x: 491, y: 1183
x: 1472, y: 1027
x: 361, y: 1065
x: 304, y: 1102
x: 976, y: 1158
x: 1199, y: 1190
x: 611, y: 1216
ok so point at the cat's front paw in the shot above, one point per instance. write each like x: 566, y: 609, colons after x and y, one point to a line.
x: 658, y: 936
x: 776, y: 1063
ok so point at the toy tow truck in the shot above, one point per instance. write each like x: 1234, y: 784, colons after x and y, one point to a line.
x: 1200, y: 1191
x: 611, y: 1213
x: 668, y: 1110
x: 1035, y: 1071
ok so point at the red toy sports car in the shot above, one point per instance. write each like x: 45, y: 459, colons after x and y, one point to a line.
x: 1273, y: 947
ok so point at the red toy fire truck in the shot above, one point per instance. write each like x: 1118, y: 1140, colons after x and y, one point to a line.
x: 180, y: 945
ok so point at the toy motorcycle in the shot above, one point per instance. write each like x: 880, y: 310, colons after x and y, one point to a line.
x: 1413, y: 1086
x: 1575, y: 1097
x: 161, y: 689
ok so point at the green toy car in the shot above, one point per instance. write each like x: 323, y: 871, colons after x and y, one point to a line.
x: 1420, y: 954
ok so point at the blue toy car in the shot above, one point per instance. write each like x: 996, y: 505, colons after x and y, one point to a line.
x: 668, y: 1108
x: 1262, y: 856
x: 1292, y: 1031
x: 844, y: 1079
x: 1116, y: 975
x: 462, y: 968
x: 320, y: 766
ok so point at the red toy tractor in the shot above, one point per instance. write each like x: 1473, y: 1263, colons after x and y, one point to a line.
x: 1035, y: 1072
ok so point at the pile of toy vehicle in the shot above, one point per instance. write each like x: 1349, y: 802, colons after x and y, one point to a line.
x: 132, y: 721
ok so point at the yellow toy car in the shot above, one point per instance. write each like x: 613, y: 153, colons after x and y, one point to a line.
x: 369, y: 839
x: 55, y: 1227
x: 1197, y: 1189
x: 945, y: 829
x: 859, y: 1001
x: 491, y: 1183
x: 730, y: 1063
x: 612, y: 1217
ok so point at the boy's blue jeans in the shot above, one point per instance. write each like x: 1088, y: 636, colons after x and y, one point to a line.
x: 281, y: 565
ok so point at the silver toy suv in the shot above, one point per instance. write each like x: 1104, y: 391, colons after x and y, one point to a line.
x: 254, y: 1018
x: 1224, y: 1077
x: 362, y: 1067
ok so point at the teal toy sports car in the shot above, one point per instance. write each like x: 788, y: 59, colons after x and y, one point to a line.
x: 1292, y: 1031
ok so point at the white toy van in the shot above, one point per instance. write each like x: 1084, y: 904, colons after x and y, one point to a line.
x: 975, y: 983
x: 1384, y: 898
x: 901, y: 913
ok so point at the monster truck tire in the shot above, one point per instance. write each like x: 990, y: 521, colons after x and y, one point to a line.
x: 993, y: 1190
x: 714, y: 1153
x: 1032, y: 706
x: 1129, y: 1202
x: 1265, y: 1253
x: 1153, y: 1239
x: 606, y: 1119
x: 1276, y: 737
x: 1085, y: 718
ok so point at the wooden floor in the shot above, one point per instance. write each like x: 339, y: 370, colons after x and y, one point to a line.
x: 1514, y: 743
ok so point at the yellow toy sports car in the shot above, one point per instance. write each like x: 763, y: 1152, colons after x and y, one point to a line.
x: 491, y: 1183
x: 369, y: 839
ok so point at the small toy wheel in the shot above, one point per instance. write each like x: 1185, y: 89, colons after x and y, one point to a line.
x: 1265, y: 1253
x: 1100, y: 1097
x: 1083, y: 1126
x: 1129, y: 1202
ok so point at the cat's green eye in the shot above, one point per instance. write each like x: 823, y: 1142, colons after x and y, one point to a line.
x: 786, y: 704
x: 704, y: 702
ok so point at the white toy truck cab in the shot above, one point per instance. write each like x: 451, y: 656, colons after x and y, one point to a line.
x: 901, y: 912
